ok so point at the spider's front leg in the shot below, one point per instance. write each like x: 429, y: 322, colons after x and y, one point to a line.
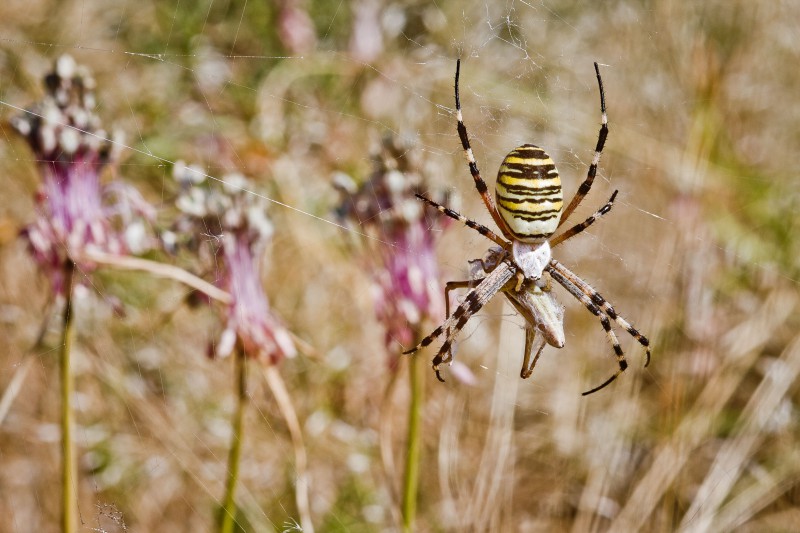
x: 586, y: 186
x: 473, y: 302
x: 450, y: 286
x: 479, y: 269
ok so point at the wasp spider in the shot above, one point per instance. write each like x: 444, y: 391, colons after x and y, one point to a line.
x: 529, y: 209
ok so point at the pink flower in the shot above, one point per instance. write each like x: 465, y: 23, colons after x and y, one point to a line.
x: 402, y: 260
x: 234, y: 223
x: 249, y: 316
x: 74, y: 214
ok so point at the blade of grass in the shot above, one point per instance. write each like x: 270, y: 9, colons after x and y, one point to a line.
x: 413, y: 442
x: 753, y: 499
x: 278, y: 388
x: 69, y: 500
x: 748, y: 433
x: 235, y: 452
x: 743, y: 345
x: 158, y: 269
x: 497, y: 458
x: 385, y: 436
x: 13, y: 388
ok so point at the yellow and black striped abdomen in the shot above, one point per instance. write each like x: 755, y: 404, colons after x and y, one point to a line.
x: 529, y: 195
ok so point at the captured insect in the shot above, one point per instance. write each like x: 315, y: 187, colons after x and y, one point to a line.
x: 529, y: 210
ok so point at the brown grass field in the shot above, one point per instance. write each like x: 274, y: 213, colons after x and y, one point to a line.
x: 699, y: 252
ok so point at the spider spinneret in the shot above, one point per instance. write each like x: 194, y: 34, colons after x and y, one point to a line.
x: 529, y: 210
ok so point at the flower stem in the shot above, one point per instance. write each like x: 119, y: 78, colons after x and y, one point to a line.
x: 411, y: 477
x: 68, y: 477
x: 235, y: 453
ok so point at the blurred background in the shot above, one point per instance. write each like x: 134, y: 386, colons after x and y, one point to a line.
x: 699, y: 253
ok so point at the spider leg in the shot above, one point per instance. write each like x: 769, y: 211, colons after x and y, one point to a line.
x: 480, y: 228
x: 595, y: 310
x: 601, y: 302
x: 450, y: 286
x: 445, y: 353
x: 483, y: 190
x: 453, y: 285
x: 473, y: 302
x: 577, y: 228
x: 584, y: 188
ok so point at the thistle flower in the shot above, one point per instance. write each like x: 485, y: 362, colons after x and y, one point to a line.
x: 234, y: 223
x: 403, y: 265
x: 74, y: 214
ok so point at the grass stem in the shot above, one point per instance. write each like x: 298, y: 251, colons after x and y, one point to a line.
x: 413, y: 443
x: 68, y: 478
x: 235, y: 452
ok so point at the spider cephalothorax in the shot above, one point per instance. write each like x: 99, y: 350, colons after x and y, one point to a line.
x: 529, y: 209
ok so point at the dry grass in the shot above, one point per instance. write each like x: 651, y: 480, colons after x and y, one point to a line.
x: 699, y: 253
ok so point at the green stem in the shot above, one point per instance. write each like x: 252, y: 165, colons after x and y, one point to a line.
x: 411, y: 477
x: 235, y: 453
x: 69, y: 500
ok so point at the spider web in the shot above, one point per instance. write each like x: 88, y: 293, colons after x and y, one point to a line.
x: 289, y: 95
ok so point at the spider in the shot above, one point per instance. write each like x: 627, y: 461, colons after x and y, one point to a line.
x: 528, y: 211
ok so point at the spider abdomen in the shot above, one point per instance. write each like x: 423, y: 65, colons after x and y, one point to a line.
x: 528, y: 192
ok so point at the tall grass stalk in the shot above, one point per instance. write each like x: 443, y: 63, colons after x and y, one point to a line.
x: 487, y: 503
x: 413, y: 441
x: 742, y: 345
x: 235, y: 452
x: 68, y: 477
